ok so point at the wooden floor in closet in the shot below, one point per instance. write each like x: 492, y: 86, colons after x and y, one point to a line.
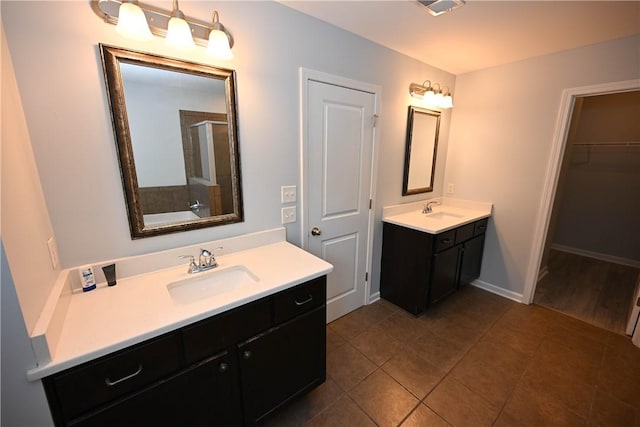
x: 595, y: 291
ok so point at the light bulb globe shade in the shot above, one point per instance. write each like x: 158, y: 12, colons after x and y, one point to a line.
x: 179, y: 34
x: 430, y: 96
x: 218, y: 46
x: 447, y: 102
x: 132, y: 23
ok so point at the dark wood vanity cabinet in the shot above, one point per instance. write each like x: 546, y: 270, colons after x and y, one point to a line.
x: 232, y: 369
x: 420, y: 269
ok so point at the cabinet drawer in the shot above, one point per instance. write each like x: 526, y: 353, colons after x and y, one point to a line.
x: 300, y: 299
x: 212, y: 335
x: 444, y: 240
x: 480, y: 226
x: 95, y: 383
x: 464, y: 233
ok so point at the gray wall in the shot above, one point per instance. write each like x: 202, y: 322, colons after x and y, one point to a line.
x: 502, y: 132
x: 65, y: 125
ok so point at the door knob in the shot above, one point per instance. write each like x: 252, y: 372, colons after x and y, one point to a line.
x: 315, y: 231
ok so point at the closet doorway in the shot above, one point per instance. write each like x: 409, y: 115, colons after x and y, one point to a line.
x: 591, y: 260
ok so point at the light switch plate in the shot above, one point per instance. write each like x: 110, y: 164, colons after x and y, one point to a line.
x: 288, y: 194
x: 289, y: 214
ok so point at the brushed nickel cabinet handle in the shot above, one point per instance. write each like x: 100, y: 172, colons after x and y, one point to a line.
x: 299, y: 303
x: 110, y: 383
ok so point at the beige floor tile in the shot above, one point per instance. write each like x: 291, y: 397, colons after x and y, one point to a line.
x: 344, y: 410
x: 581, y: 365
x: 460, y: 406
x: 306, y: 407
x: 422, y: 416
x: 378, y: 311
x: 351, y: 325
x: 386, y: 401
x: 347, y: 366
x: 529, y: 407
x: 376, y: 344
x: 413, y: 372
x: 334, y: 340
x: 620, y: 374
x: 403, y: 326
x: 438, y: 351
x: 486, y: 378
x: 610, y: 411
x: 561, y: 386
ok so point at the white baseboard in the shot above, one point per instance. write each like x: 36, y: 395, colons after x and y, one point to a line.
x: 374, y: 297
x: 514, y: 296
x: 596, y: 255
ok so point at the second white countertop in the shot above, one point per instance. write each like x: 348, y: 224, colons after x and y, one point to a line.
x: 140, y: 307
x: 449, y: 214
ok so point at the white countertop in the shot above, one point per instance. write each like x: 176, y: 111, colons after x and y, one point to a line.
x: 462, y: 212
x: 140, y: 307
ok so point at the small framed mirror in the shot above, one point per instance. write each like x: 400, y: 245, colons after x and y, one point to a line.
x: 420, y: 154
x: 175, y: 127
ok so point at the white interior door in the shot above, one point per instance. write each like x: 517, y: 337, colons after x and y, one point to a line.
x: 633, y: 324
x: 339, y: 172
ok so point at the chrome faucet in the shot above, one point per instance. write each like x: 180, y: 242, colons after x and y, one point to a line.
x: 206, y: 261
x: 427, y: 208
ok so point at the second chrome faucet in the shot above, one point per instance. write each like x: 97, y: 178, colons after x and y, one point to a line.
x: 206, y: 261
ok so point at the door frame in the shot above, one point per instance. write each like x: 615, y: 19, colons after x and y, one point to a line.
x: 553, y: 172
x: 306, y: 75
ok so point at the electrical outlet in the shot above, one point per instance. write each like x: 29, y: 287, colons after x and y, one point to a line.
x: 451, y: 188
x: 289, y: 215
x: 288, y: 194
x: 53, y: 252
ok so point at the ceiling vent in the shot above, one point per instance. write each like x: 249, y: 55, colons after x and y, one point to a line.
x: 438, y: 7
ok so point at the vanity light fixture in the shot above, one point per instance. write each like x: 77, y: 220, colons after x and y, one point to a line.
x: 132, y: 23
x: 218, y: 41
x: 431, y: 96
x: 163, y: 23
x: 178, y: 30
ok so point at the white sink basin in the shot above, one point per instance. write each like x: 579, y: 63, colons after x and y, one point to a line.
x: 210, y: 283
x: 444, y: 215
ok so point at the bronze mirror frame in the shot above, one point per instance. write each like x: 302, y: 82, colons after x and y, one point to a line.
x: 418, y: 153
x: 112, y: 57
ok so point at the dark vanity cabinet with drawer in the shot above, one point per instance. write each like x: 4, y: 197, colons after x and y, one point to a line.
x: 232, y: 369
x: 420, y: 269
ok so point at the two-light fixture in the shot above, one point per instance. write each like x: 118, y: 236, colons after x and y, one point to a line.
x: 431, y: 96
x: 138, y: 21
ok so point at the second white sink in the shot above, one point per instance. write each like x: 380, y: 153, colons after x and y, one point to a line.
x: 443, y: 215
x: 211, y: 283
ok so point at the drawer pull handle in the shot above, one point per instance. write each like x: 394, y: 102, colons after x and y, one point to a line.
x: 128, y: 377
x: 299, y: 303
x: 246, y: 354
x: 223, y: 367
x: 445, y: 241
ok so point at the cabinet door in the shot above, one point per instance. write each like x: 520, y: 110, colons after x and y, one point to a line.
x: 406, y: 260
x: 285, y: 361
x: 444, y: 274
x: 471, y: 260
x: 204, y: 395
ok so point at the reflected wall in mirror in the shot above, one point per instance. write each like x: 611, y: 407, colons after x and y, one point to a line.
x: 176, y: 132
x: 420, y: 155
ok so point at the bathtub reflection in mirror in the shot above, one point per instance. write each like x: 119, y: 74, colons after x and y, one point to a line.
x: 176, y: 133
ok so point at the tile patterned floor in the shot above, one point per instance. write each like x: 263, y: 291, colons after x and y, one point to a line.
x: 474, y: 360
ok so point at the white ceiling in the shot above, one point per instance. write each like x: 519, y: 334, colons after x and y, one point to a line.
x: 481, y: 33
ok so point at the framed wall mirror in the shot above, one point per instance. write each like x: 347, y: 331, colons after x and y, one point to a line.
x: 420, y: 153
x: 175, y: 126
